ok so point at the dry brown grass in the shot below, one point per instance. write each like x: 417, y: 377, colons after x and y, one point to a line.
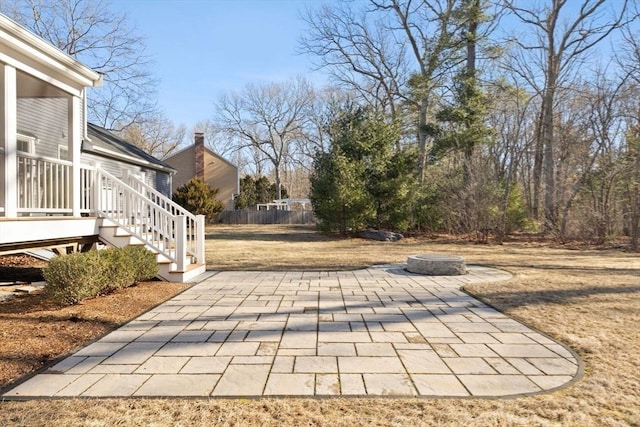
x: 589, y: 299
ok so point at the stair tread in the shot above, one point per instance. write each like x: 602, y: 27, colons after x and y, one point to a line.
x: 190, y: 267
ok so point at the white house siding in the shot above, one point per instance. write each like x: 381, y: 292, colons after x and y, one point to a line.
x: 162, y: 182
x: 46, y: 119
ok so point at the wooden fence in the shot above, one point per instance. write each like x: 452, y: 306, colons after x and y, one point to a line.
x: 266, y: 217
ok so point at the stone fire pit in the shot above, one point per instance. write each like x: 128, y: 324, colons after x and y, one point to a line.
x: 436, y: 265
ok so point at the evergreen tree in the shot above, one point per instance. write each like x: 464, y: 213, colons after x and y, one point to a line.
x: 198, y: 198
x: 338, y: 193
x: 361, y: 181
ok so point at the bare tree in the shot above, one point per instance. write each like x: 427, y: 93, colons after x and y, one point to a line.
x: 359, y: 53
x: 267, y: 119
x: 319, y: 112
x: 563, y: 33
x: 512, y: 119
x: 393, y: 52
x: 156, y: 136
x: 629, y: 60
x: 92, y: 32
x: 590, y: 150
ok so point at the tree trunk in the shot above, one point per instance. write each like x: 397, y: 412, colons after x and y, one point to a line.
x: 470, y: 80
x: 634, y: 193
x: 537, y: 171
x: 422, y: 138
x: 550, y: 214
x: 277, y: 181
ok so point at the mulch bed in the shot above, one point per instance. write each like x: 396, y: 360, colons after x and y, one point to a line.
x: 35, y: 332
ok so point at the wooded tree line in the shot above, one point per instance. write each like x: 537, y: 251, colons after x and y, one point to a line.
x: 516, y: 115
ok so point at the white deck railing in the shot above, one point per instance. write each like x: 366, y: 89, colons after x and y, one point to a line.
x: 87, y: 177
x: 43, y: 184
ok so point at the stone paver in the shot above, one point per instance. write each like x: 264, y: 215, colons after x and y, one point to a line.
x: 181, y: 385
x: 389, y: 384
x: 377, y: 331
x: 290, y: 385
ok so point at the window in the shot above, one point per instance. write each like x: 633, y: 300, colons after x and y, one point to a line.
x: 26, y: 143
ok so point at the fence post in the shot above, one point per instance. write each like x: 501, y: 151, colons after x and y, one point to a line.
x: 200, y: 239
x: 181, y: 242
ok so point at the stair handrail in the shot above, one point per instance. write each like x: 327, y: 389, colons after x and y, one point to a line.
x: 159, y: 195
x: 194, y: 224
x: 140, y: 216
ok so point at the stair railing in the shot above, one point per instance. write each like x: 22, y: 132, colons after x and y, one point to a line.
x: 194, y: 224
x: 160, y: 229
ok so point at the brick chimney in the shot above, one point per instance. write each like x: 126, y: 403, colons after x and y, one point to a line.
x: 199, y: 151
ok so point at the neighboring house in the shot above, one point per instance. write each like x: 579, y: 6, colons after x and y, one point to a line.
x: 54, y: 191
x: 198, y: 161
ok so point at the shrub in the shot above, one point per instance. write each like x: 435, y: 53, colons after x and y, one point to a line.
x: 119, y: 268
x: 144, y: 261
x: 74, y: 277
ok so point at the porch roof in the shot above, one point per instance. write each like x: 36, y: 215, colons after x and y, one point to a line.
x: 36, y: 54
x: 104, y: 143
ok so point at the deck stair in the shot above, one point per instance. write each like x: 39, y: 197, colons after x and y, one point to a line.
x: 134, y: 213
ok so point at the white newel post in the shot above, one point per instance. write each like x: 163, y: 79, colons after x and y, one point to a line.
x: 9, y: 130
x: 74, y: 146
x: 181, y: 241
x: 200, y: 239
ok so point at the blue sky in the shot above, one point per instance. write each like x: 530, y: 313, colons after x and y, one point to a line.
x: 202, y: 48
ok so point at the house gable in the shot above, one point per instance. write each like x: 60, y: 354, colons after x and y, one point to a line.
x: 218, y: 172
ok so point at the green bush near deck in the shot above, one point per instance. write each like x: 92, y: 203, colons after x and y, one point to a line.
x: 119, y: 268
x: 144, y: 262
x: 72, y: 278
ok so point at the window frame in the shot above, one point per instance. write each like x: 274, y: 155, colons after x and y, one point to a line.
x: 29, y: 140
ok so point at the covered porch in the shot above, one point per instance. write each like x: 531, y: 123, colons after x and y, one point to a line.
x: 42, y: 125
x: 47, y: 196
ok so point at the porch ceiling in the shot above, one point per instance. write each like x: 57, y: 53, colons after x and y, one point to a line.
x: 31, y: 87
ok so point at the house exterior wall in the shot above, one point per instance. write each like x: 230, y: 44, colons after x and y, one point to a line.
x: 2, y: 182
x: 46, y: 119
x: 161, y: 182
x: 184, y: 163
x: 218, y: 173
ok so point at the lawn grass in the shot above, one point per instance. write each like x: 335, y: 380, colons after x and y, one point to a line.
x: 588, y: 299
